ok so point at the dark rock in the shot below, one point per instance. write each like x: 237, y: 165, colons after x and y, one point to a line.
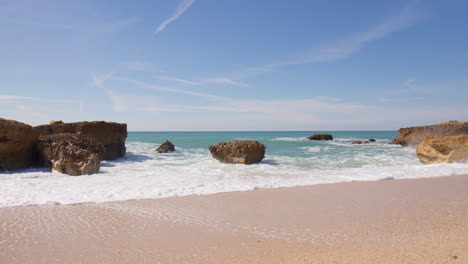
x: 70, y: 153
x: 412, y: 136
x: 320, y: 137
x: 372, y: 140
x: 366, y: 142
x: 111, y: 135
x: 357, y: 142
x: 166, y: 147
x: 17, y: 141
x: 243, y: 152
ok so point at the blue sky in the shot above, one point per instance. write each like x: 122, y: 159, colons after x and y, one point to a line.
x: 172, y: 65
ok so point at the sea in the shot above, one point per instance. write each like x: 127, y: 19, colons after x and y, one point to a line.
x: 290, y: 160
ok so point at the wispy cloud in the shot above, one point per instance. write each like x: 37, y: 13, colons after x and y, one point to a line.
x: 15, y: 97
x: 178, y: 80
x: 98, y: 80
x: 224, y: 80
x: 142, y: 66
x: 181, y: 8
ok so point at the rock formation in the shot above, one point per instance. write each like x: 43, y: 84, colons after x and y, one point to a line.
x: 166, y: 147
x: 56, y: 122
x: 357, y: 142
x: 439, y: 149
x: 371, y: 140
x: 320, y: 137
x: 244, y: 152
x: 412, y: 136
x: 17, y: 142
x: 69, y: 153
x: 111, y: 135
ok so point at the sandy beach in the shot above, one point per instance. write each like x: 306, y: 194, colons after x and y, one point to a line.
x: 388, y: 221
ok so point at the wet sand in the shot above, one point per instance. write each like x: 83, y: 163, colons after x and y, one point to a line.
x: 391, y: 221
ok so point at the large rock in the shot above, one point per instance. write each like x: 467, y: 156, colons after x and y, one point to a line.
x: 17, y: 142
x: 70, y: 153
x: 243, y: 152
x: 439, y: 149
x: 320, y: 137
x: 111, y: 135
x: 166, y: 147
x: 412, y: 136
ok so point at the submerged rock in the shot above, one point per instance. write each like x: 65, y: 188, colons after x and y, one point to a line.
x: 412, y: 136
x: 243, y: 152
x: 371, y: 140
x: 320, y: 137
x: 357, y: 142
x: 69, y: 153
x: 166, y: 147
x: 17, y: 141
x: 443, y: 149
x: 111, y: 135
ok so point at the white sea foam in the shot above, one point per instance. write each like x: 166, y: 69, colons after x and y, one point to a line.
x: 289, y: 139
x: 146, y: 174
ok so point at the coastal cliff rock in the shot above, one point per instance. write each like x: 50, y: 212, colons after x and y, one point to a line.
x: 111, y: 135
x: 412, y: 136
x: 166, y: 147
x: 243, y: 152
x: 69, y: 153
x: 320, y: 137
x: 17, y: 142
x: 440, y: 149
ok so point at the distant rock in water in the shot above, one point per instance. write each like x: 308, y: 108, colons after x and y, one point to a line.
x: 412, y: 136
x: 243, y: 152
x: 17, y: 142
x: 443, y: 149
x: 56, y: 122
x: 111, y: 135
x: 320, y: 137
x: 69, y: 153
x: 366, y: 142
x: 166, y: 147
x: 357, y: 142
x: 371, y: 140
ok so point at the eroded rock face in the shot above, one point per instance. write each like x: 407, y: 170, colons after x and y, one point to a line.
x: 320, y: 137
x: 412, y: 136
x: 443, y: 149
x: 17, y: 141
x: 166, y: 147
x: 111, y: 135
x: 70, y: 153
x: 243, y: 152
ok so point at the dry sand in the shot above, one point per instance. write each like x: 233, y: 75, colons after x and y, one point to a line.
x: 392, y: 221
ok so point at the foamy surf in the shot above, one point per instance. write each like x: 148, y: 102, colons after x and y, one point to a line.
x: 143, y: 173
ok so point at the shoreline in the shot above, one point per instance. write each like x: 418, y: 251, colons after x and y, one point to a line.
x: 387, y: 221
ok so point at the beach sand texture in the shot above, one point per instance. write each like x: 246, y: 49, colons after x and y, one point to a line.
x: 388, y: 221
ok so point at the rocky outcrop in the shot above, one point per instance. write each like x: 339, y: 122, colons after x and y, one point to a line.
x: 412, y: 136
x: 111, y: 135
x: 70, y: 153
x: 56, y: 122
x: 371, y: 140
x: 441, y: 149
x: 243, y: 152
x: 320, y: 137
x: 357, y: 142
x: 166, y: 147
x: 17, y: 141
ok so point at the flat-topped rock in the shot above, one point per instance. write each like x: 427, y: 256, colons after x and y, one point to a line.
x: 242, y: 152
x: 111, y: 135
x: 412, y: 136
x: 443, y: 149
x: 166, y: 147
x: 16, y: 145
x: 320, y: 137
x: 70, y: 153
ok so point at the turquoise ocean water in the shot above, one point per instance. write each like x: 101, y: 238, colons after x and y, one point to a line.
x: 290, y: 160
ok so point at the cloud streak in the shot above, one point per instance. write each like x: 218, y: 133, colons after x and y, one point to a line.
x: 181, y: 8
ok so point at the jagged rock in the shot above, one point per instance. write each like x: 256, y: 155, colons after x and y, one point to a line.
x: 357, y: 142
x: 412, y: 136
x: 166, y: 147
x: 56, y: 122
x: 441, y: 149
x: 371, y: 140
x: 320, y: 137
x: 244, y: 152
x: 17, y: 142
x: 111, y: 135
x: 70, y: 153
